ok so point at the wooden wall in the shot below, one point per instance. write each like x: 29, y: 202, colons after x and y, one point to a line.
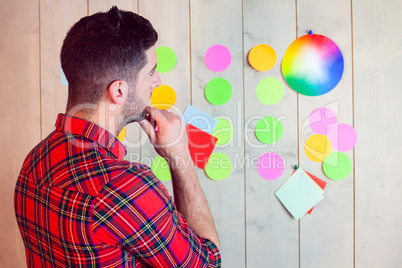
x: 358, y: 224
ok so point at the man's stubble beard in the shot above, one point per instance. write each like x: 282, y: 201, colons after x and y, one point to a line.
x: 133, y: 110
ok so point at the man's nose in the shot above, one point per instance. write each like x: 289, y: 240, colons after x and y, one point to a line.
x: 157, y: 80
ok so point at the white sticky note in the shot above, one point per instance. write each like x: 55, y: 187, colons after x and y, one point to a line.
x: 199, y: 119
x: 299, y: 194
x: 63, y: 79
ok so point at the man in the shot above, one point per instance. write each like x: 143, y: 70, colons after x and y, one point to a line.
x: 78, y: 203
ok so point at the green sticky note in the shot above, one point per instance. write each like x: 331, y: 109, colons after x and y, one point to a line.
x: 218, y: 91
x: 268, y: 130
x: 218, y: 167
x: 270, y: 90
x: 223, y: 131
x: 166, y: 59
x: 161, y: 169
x: 337, y: 166
x: 299, y: 194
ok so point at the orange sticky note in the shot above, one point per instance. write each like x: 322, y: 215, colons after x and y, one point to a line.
x: 262, y: 57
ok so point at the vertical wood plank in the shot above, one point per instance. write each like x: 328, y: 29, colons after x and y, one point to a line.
x: 272, y: 233
x: 104, y: 5
x: 326, y: 236
x: 220, y: 22
x: 171, y: 21
x: 377, y: 50
x: 19, y: 113
x: 56, y: 19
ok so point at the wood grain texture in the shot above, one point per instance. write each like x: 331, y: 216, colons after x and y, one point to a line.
x: 19, y: 113
x: 220, y: 22
x: 377, y: 46
x: 272, y: 233
x: 171, y: 21
x: 357, y: 224
x: 56, y: 19
x: 104, y: 5
x: 329, y: 229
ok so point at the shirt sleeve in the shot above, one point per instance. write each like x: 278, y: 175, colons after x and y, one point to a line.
x: 134, y: 211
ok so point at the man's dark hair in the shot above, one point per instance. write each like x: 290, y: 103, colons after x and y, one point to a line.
x: 103, y: 48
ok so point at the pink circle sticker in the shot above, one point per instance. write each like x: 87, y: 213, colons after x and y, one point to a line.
x: 342, y: 136
x: 218, y: 58
x: 320, y: 120
x: 270, y: 166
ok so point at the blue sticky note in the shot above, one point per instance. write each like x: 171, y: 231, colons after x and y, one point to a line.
x: 299, y: 194
x: 63, y: 78
x: 199, y: 119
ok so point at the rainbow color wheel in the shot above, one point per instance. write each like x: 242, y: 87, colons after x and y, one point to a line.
x: 312, y: 65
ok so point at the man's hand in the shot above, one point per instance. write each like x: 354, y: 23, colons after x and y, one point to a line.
x: 169, y: 139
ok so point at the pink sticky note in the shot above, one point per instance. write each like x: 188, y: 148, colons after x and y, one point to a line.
x: 270, y: 166
x: 218, y: 58
x: 320, y: 119
x: 343, y: 137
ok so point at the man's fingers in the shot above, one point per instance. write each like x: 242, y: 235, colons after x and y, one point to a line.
x: 155, y: 114
x: 158, y: 118
x: 148, y: 129
x: 151, y: 120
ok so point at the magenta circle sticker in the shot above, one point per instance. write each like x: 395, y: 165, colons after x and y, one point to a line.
x: 218, y: 58
x: 270, y: 166
x: 343, y: 137
x: 320, y: 120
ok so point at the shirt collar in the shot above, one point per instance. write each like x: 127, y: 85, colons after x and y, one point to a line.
x: 78, y: 126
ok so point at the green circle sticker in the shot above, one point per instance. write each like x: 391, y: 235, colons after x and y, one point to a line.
x: 270, y: 90
x: 166, y: 59
x: 218, y: 91
x: 337, y: 166
x: 218, y: 167
x: 161, y: 169
x: 223, y: 131
x: 268, y: 130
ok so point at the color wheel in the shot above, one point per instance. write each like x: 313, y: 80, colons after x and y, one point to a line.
x: 313, y: 65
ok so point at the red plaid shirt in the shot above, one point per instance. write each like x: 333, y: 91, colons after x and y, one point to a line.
x: 78, y: 203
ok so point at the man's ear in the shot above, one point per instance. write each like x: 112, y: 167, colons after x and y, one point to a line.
x: 118, y: 92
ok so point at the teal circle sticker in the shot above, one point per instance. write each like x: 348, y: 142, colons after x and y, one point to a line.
x: 166, y: 59
x: 218, y: 91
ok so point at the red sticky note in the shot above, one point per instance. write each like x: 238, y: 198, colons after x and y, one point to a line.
x: 319, y: 182
x: 201, y: 144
